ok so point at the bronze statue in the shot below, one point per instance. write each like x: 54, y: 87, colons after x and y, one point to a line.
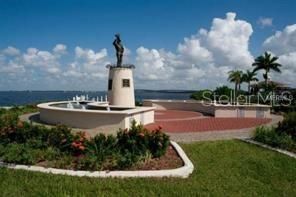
x: 119, y: 49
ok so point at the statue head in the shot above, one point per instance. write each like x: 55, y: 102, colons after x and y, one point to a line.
x: 117, y: 36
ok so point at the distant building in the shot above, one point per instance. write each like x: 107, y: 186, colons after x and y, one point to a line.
x: 271, y: 85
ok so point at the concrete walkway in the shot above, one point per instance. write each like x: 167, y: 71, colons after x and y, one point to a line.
x: 188, y: 137
x: 187, y: 126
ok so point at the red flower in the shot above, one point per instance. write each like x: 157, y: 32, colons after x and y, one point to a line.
x: 76, y: 144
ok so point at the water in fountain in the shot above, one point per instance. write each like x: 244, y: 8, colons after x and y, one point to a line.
x: 70, y: 105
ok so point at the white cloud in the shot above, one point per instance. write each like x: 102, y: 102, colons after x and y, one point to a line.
x: 228, y: 40
x: 127, y: 54
x: 201, y: 60
x: 265, y: 21
x: 43, y: 60
x: 9, y: 62
x: 11, y: 51
x: 11, y: 68
x: 88, y: 68
x: 91, y: 61
x: 206, y: 54
x: 91, y: 56
x: 283, y: 45
x: 288, y: 62
x: 151, y: 65
x: 34, y: 57
x: 60, y: 49
x: 282, y: 41
x: 73, y: 73
x: 53, y: 70
x: 192, y: 51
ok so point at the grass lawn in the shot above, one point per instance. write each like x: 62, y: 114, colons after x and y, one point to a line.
x: 222, y: 168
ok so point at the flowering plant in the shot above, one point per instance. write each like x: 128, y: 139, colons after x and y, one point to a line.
x: 78, y: 144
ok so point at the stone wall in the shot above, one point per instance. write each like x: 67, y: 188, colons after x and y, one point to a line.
x: 217, y: 110
x: 185, y: 105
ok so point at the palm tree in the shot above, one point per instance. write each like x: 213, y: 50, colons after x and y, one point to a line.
x: 248, y: 77
x: 266, y: 62
x: 235, y: 76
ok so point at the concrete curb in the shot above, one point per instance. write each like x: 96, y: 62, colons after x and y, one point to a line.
x: 182, y: 172
x: 288, y: 153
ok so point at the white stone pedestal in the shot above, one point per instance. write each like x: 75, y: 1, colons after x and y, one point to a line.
x: 121, y: 86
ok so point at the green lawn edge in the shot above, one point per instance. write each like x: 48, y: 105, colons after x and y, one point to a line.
x: 222, y: 168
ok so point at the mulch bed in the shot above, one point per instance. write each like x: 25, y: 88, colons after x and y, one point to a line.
x: 170, y: 160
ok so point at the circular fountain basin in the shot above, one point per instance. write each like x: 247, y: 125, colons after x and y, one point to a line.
x: 93, y: 115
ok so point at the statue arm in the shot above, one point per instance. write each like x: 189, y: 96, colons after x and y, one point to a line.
x: 115, y: 43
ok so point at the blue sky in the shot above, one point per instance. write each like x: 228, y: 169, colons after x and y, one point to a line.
x: 151, y: 24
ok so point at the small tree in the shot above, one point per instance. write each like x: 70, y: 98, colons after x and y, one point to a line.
x: 248, y: 77
x: 266, y: 62
x: 235, y: 76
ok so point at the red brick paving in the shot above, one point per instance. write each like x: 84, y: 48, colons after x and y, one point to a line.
x: 174, y: 121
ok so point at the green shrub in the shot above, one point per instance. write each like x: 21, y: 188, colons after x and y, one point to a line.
x: 61, y: 138
x: 19, y: 110
x: 26, y: 132
x: 23, y: 143
x: 101, y: 152
x: 288, y: 125
x: 202, y: 95
x: 138, y: 140
x: 2, y: 150
x: 88, y: 162
x: 64, y: 161
x: 273, y: 138
x: 224, y: 90
x: 18, y: 153
x: 51, y: 153
x: 3, y: 111
x: 126, y: 160
x: 8, y: 122
x: 138, y: 103
x: 23, y: 154
x: 8, y: 126
x: 15, y: 131
x: 36, y: 143
x: 133, y: 140
x: 158, y: 142
x: 101, y: 146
